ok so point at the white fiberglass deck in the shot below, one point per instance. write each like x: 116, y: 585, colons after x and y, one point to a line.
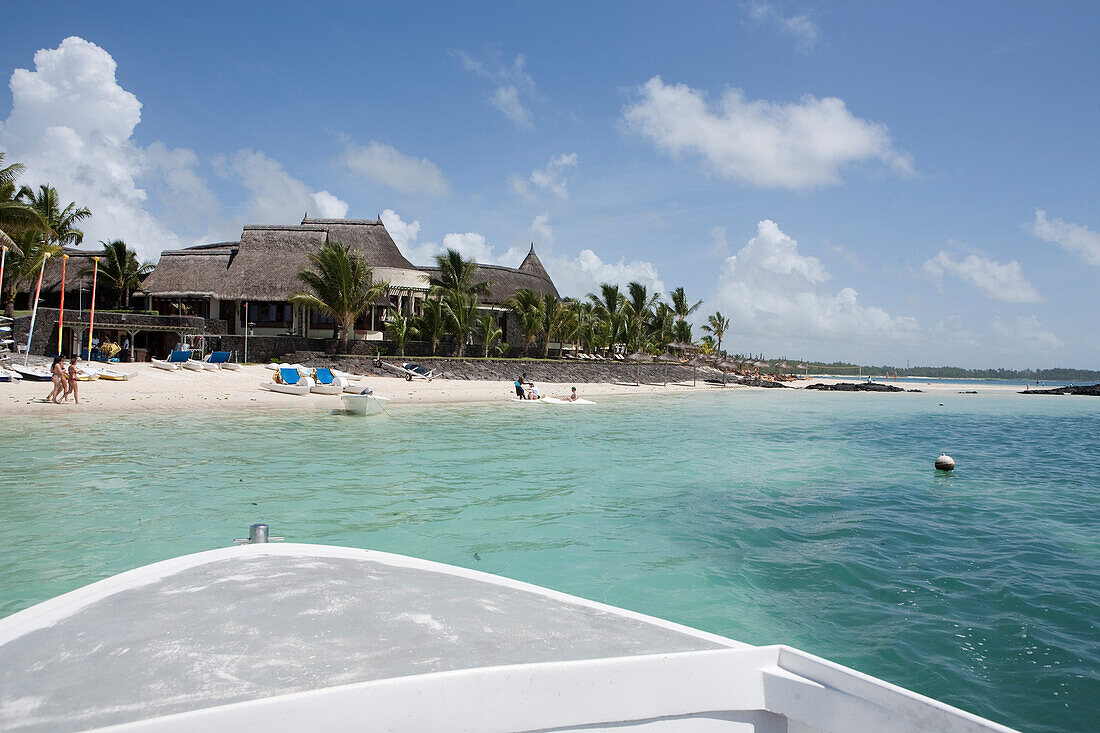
x: 299, y: 637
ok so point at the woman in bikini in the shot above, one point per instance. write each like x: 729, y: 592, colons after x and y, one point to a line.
x: 57, y: 376
x: 73, y: 374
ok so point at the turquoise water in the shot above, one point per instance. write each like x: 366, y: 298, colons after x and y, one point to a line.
x: 811, y: 519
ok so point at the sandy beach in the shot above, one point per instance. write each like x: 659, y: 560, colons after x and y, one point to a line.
x: 156, y: 389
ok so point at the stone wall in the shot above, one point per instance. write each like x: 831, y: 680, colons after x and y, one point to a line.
x: 506, y: 370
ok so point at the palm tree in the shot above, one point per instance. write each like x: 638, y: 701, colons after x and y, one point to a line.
x: 681, y: 308
x: 662, y: 324
x: 431, y: 324
x: 60, y: 222
x: 15, y: 215
x: 23, y: 265
x: 717, y: 325
x: 527, y: 306
x: 461, y: 316
x: 399, y: 329
x: 489, y: 331
x: 342, y: 286
x: 681, y: 331
x: 457, y: 274
x: 120, y: 270
x: 554, y: 314
x: 609, y: 307
x: 640, y: 306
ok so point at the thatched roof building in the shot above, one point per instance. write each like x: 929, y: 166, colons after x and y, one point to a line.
x: 192, y: 272
x: 507, y: 280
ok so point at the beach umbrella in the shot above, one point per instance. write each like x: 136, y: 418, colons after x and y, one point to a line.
x: 695, y: 363
x: 726, y: 366
x: 639, y: 358
x: 680, y: 346
x: 668, y: 358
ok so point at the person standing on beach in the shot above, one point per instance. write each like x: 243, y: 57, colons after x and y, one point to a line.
x: 518, y: 384
x: 72, y: 381
x: 57, y: 376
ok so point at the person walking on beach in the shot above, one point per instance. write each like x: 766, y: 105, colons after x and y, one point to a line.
x: 57, y: 376
x: 72, y: 381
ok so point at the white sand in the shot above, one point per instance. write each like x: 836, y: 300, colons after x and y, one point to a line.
x: 157, y: 389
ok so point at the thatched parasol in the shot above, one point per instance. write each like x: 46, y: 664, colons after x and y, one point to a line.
x: 726, y: 366
x: 668, y: 358
x: 681, y: 346
x: 695, y: 362
x: 639, y: 358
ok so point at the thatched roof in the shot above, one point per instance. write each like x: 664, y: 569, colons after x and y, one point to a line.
x: 369, y: 236
x: 51, y: 276
x: 505, y: 282
x: 533, y: 265
x: 193, y: 272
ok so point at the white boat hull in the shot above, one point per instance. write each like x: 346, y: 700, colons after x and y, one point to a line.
x: 363, y: 404
x: 33, y: 373
x: 298, y: 389
x: 556, y: 401
x: 327, y: 388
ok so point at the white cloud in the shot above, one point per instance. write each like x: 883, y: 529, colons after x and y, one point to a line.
x: 512, y: 85
x: 1027, y: 332
x: 1073, y: 238
x: 385, y: 165
x: 1000, y: 282
x: 800, y: 27
x: 775, y: 299
x: 541, y: 229
x: 276, y: 196
x: 583, y: 274
x: 470, y: 244
x: 72, y: 125
x: 768, y: 144
x: 550, y: 178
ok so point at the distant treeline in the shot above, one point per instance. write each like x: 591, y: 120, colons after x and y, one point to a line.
x: 948, y: 372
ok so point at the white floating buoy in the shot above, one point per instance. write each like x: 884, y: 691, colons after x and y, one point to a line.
x: 945, y: 463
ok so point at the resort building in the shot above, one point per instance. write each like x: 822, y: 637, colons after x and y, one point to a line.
x: 249, y: 283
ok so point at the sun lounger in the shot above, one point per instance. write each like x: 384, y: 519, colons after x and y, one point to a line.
x: 174, y: 361
x: 220, y: 360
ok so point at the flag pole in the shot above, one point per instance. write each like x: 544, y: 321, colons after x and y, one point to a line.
x: 3, y: 256
x: 34, y: 312
x: 61, y: 310
x: 91, y: 318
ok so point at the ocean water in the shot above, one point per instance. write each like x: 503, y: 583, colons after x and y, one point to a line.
x: 772, y: 516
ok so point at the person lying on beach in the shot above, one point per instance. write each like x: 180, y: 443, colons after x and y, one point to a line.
x: 72, y: 381
x: 57, y: 376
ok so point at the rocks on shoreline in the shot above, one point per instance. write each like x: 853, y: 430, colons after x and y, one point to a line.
x: 1091, y: 390
x: 858, y: 387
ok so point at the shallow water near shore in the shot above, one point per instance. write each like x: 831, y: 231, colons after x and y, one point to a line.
x: 771, y: 516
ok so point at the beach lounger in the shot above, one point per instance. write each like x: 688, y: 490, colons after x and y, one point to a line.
x: 174, y: 361
x: 220, y: 360
x: 326, y: 383
x: 288, y: 381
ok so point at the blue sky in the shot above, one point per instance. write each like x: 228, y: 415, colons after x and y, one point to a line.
x: 863, y: 181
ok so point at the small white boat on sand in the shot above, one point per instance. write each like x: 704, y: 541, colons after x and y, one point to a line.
x: 363, y: 404
x: 112, y: 375
x: 325, y: 383
x: 35, y: 374
x: 291, y: 637
x: 556, y: 401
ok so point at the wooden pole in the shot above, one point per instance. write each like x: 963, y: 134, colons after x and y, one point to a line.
x: 34, y: 311
x: 91, y: 318
x: 61, y: 309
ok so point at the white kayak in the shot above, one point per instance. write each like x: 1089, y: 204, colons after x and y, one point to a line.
x: 363, y: 404
x: 556, y: 401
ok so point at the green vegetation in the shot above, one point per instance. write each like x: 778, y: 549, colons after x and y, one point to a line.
x: 120, y: 271
x: 342, y: 286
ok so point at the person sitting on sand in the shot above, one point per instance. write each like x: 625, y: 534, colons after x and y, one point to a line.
x: 572, y: 395
x: 57, y: 376
x: 73, y: 374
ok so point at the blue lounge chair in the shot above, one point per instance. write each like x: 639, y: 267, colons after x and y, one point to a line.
x: 323, y: 376
x: 174, y: 361
x: 220, y: 360
x: 289, y: 381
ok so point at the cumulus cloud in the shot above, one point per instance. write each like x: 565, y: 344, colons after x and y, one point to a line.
x: 769, y: 144
x: 387, y: 166
x: 583, y: 274
x: 1026, y: 331
x: 470, y: 244
x: 512, y: 85
x: 1001, y: 282
x: 550, y: 178
x: 775, y: 296
x: 541, y: 229
x: 1073, y: 238
x: 800, y: 27
x: 72, y: 124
